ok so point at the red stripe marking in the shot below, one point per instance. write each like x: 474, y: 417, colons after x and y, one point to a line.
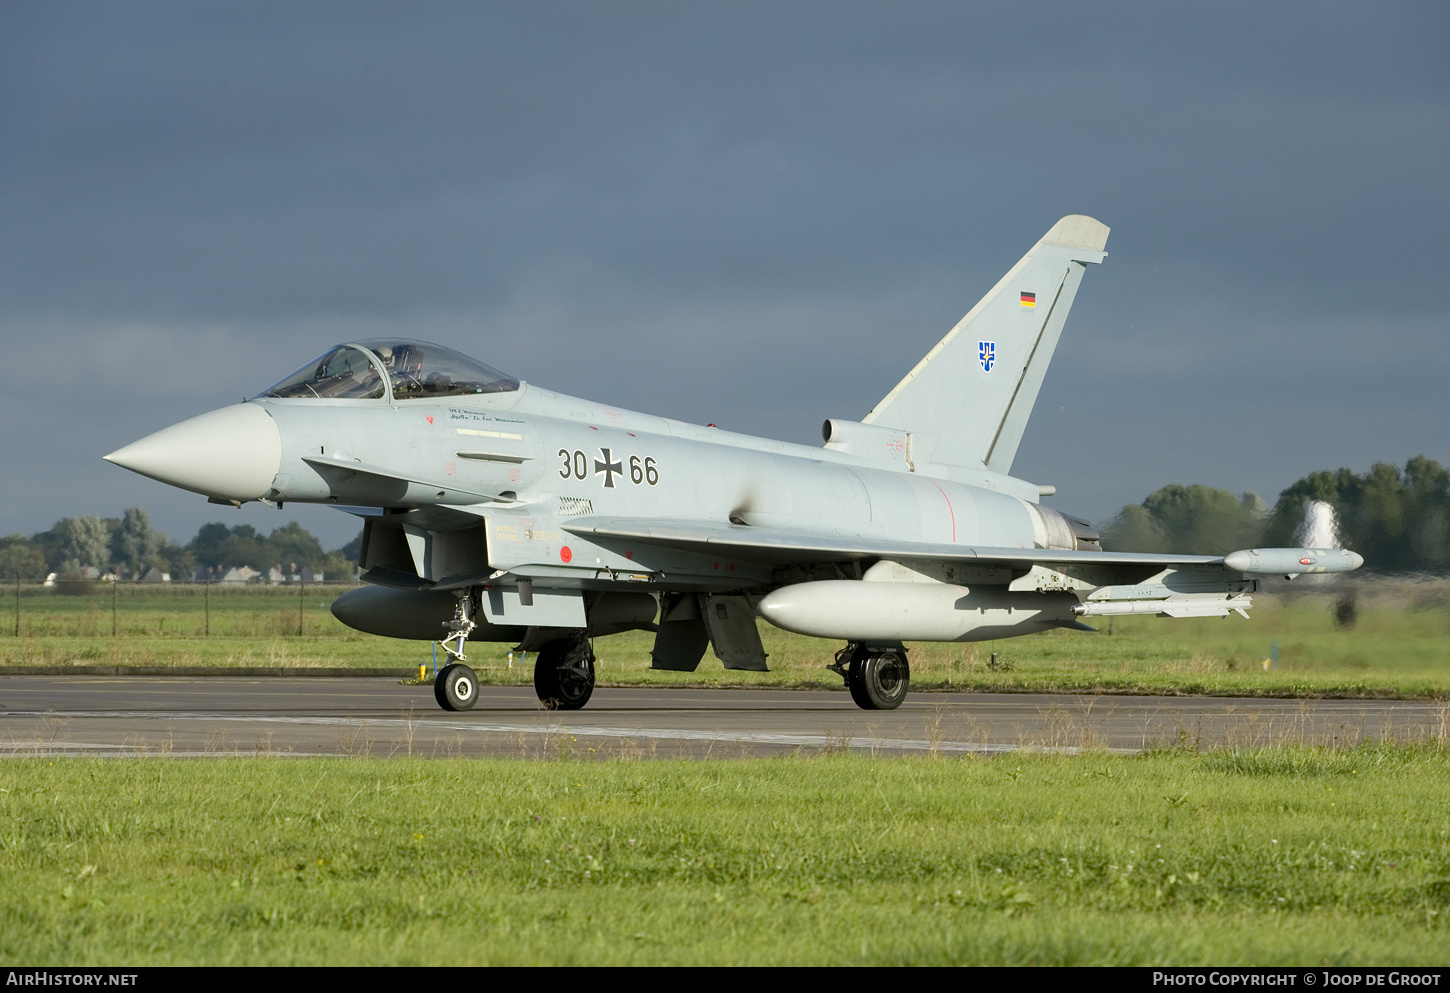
x: 949, y: 509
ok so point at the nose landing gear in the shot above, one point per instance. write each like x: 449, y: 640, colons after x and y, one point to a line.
x: 456, y: 686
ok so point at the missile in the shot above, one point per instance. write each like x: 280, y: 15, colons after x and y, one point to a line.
x: 871, y: 612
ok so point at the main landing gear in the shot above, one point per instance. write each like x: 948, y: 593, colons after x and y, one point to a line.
x: 564, y: 673
x: 877, y: 677
x: 563, y: 668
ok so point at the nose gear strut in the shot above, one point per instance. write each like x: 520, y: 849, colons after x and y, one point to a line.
x: 460, y: 627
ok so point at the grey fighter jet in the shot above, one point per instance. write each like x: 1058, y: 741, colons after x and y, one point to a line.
x: 497, y: 510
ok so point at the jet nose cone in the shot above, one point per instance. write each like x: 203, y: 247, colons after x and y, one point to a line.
x: 233, y: 453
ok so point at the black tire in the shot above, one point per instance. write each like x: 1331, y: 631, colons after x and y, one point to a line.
x: 438, y: 693
x: 879, y: 680
x: 456, y: 687
x: 564, y: 674
x: 853, y: 664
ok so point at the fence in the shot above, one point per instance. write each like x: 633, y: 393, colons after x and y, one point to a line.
x: 93, y: 609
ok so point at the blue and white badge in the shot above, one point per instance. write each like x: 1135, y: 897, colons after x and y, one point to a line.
x: 987, y: 352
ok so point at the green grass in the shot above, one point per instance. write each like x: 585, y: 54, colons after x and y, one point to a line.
x: 1399, y: 646
x: 1284, y: 856
x: 193, y: 626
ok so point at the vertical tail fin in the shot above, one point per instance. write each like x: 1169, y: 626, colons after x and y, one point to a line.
x: 974, y: 391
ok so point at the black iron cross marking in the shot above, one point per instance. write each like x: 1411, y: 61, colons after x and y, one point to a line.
x: 608, y: 468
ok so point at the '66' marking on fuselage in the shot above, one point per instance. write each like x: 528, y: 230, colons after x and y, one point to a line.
x: 575, y: 465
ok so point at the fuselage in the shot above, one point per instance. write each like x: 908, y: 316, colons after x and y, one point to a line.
x: 543, y: 457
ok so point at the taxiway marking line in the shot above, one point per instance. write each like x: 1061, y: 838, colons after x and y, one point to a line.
x: 591, y: 731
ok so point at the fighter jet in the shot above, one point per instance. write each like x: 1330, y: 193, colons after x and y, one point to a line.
x: 500, y: 511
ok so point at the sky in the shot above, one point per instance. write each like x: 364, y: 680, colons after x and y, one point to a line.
x: 758, y: 215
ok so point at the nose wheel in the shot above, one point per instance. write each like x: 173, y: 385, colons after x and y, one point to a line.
x: 456, y: 687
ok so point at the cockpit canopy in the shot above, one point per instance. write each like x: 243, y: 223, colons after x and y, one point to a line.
x: 396, y: 368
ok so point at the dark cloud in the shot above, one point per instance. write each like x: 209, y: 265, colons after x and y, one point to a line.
x: 754, y: 214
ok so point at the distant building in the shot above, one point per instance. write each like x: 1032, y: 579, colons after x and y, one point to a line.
x: 278, y: 575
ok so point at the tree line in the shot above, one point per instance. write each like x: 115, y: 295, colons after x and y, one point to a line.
x: 129, y: 546
x: 1398, y: 519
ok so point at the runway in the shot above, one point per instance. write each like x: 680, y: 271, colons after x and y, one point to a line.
x: 223, y: 716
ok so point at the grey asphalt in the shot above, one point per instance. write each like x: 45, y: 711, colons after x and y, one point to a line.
x: 191, y: 716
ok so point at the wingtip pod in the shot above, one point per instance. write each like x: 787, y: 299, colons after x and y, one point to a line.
x: 1079, y: 231
x: 1292, y: 561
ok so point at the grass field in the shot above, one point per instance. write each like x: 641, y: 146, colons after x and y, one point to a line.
x: 1398, y: 646
x: 1290, y: 855
x: 1284, y: 856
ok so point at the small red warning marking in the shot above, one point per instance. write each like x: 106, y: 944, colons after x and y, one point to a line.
x: 565, y: 554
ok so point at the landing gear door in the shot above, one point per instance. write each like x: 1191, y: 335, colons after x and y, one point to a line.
x: 736, y: 639
x: 682, y: 638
